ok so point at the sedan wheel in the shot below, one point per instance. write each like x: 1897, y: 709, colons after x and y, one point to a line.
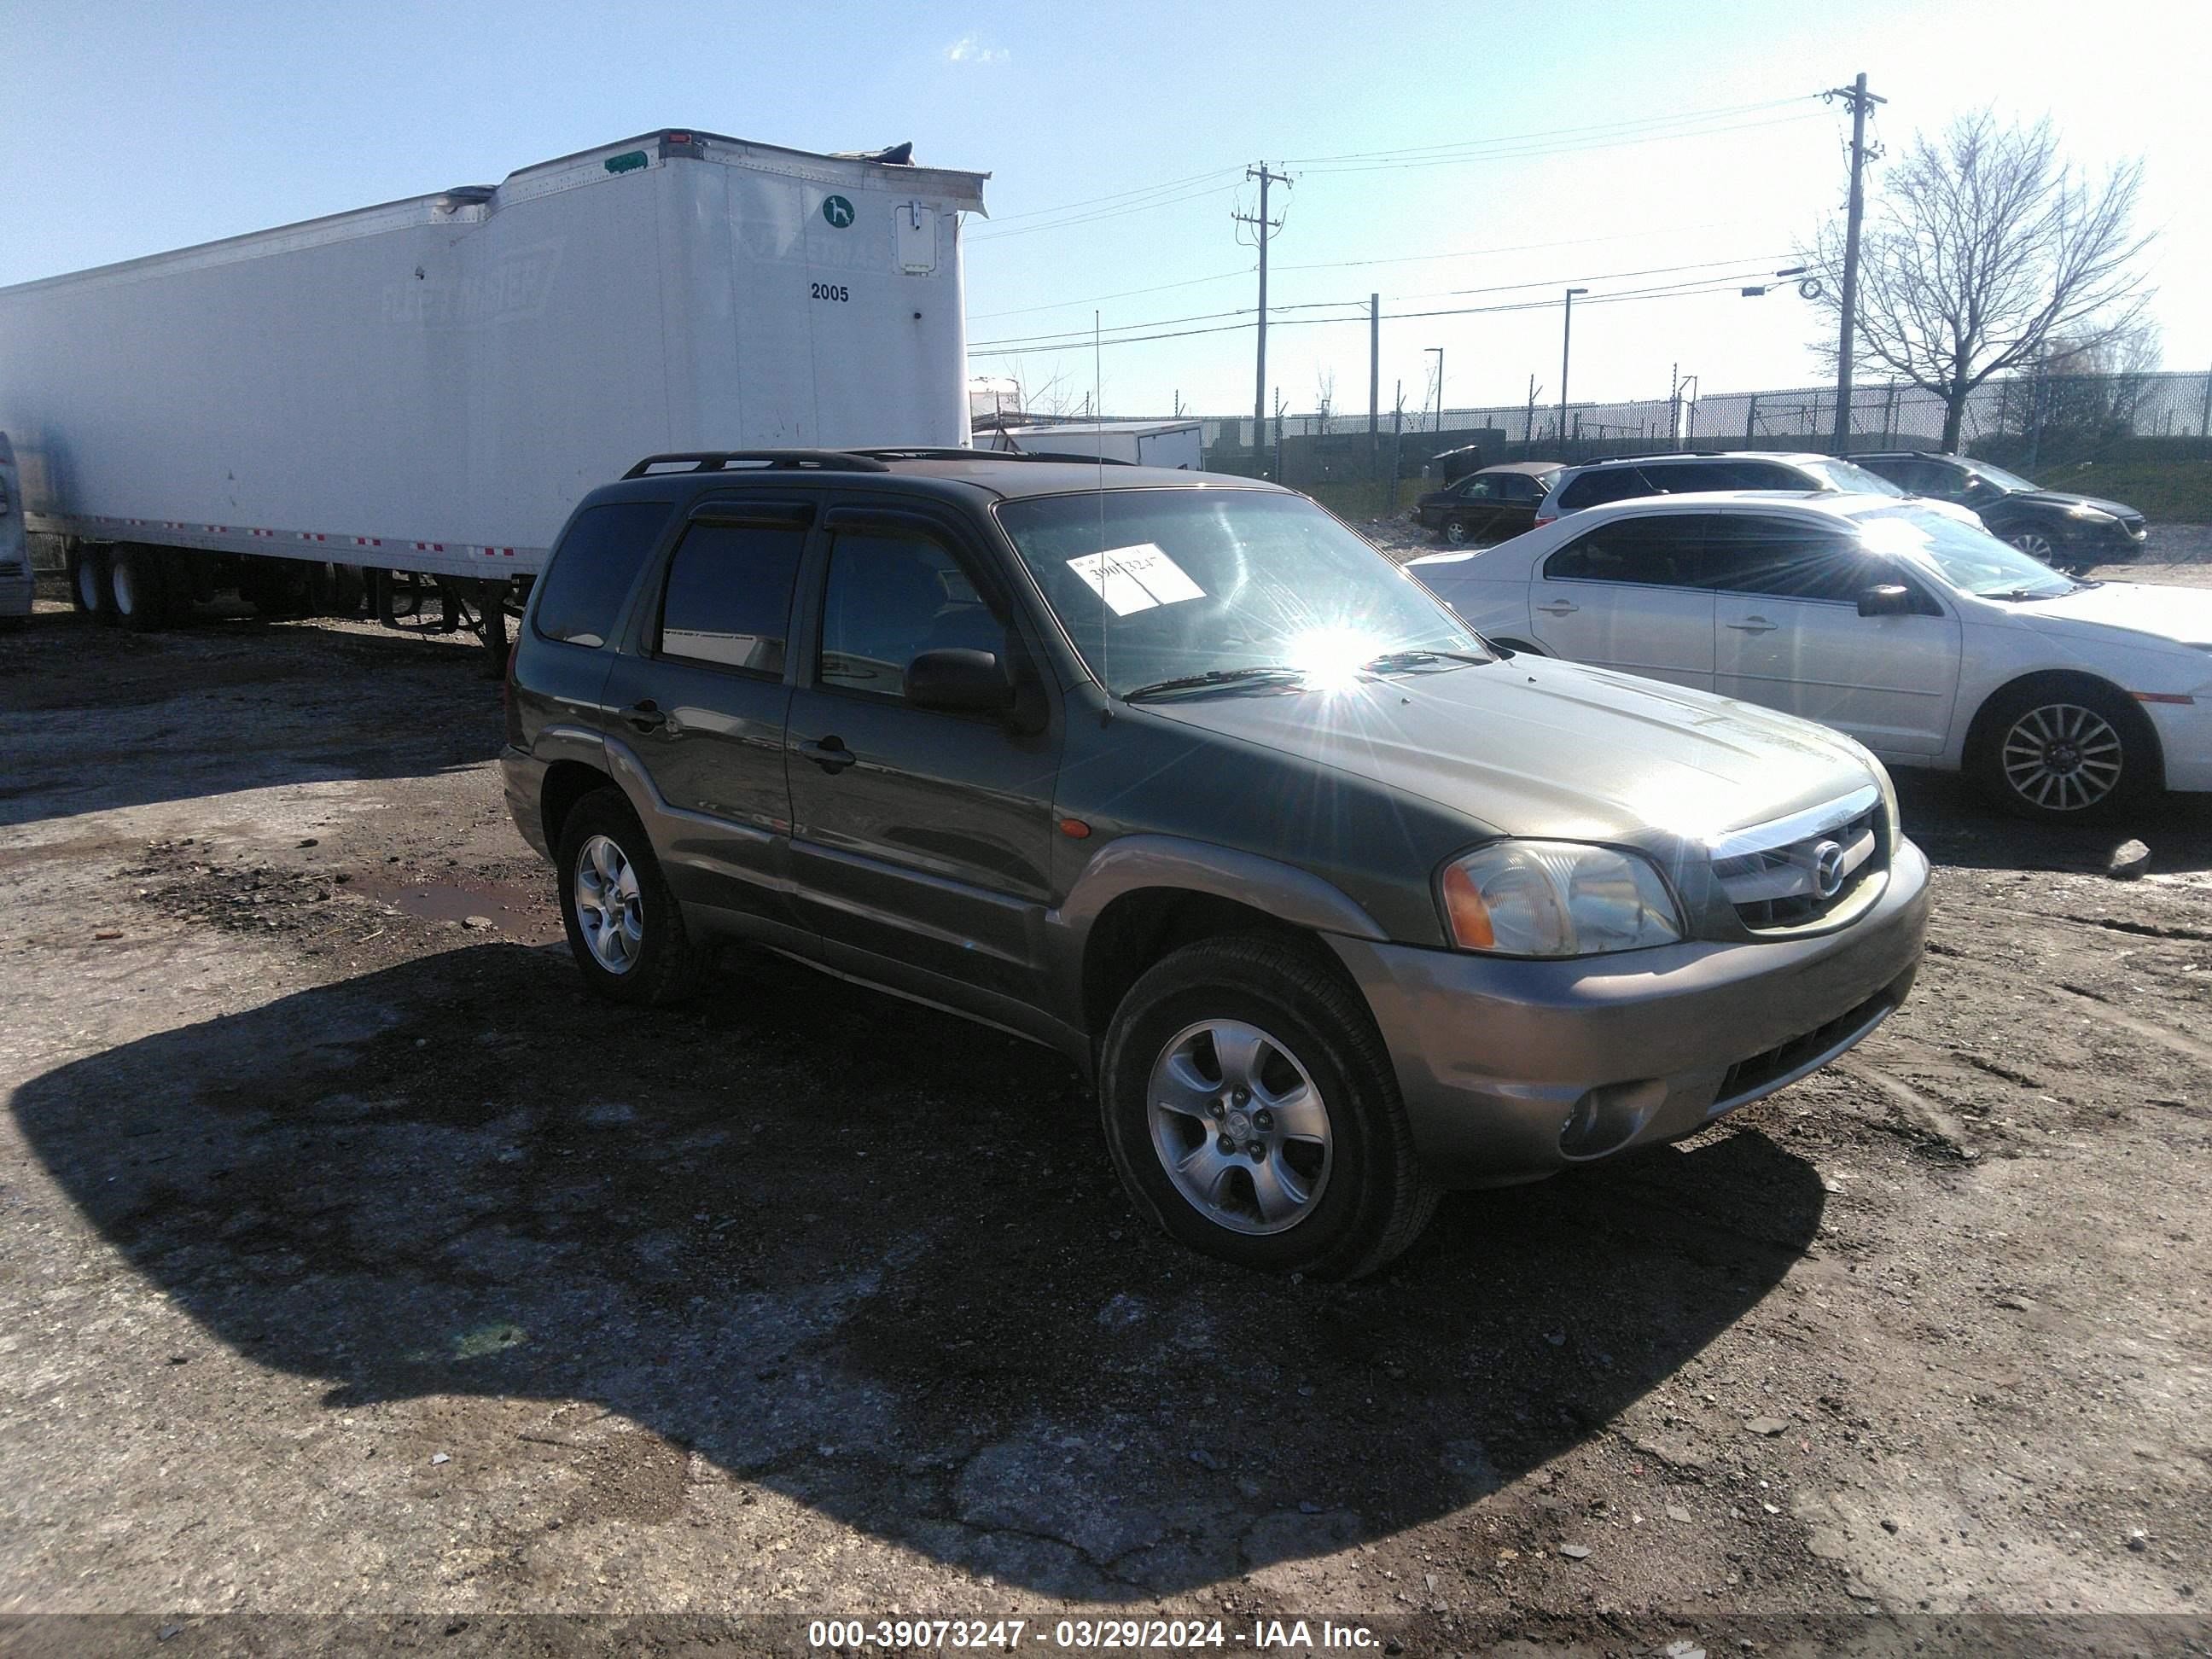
x: 1455, y: 532
x: 1239, y: 1126
x: 2062, y: 749
x: 2062, y: 758
x: 2036, y: 545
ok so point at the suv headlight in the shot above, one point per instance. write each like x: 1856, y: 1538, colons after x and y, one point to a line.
x: 2083, y: 510
x: 1556, y: 898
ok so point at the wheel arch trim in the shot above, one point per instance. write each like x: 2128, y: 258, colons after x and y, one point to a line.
x: 1139, y: 863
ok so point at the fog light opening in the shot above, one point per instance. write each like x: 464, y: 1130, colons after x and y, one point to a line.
x: 1607, y: 1119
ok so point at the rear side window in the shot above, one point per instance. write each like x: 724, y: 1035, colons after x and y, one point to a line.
x: 591, y: 572
x: 1664, y: 550
x: 1613, y: 484
x: 727, y: 602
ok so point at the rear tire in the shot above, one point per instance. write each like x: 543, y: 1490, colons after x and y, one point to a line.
x: 1275, y: 1054
x: 625, y: 928
x: 2059, y: 749
x: 88, y: 589
x: 138, y: 587
x: 1455, y: 532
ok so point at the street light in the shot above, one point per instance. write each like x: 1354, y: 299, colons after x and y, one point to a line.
x: 1439, y: 350
x: 1566, y: 340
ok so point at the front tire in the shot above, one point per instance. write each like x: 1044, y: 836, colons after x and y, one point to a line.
x: 2036, y: 545
x: 2060, y: 750
x: 1253, y: 1113
x: 625, y: 928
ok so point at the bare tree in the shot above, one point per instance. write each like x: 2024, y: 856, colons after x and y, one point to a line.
x: 1325, y: 393
x: 1983, y: 247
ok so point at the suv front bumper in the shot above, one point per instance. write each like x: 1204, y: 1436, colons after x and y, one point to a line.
x: 1511, y: 1070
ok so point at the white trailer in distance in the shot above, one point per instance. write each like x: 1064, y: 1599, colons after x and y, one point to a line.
x: 428, y: 387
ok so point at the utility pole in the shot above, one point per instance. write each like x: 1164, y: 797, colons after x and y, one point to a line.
x: 1374, y: 381
x: 1566, y: 340
x: 1860, y: 100
x: 1263, y: 227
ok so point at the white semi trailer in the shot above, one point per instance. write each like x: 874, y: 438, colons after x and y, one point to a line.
x: 428, y: 387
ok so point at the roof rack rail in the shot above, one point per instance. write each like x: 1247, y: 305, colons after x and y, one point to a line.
x: 763, y: 460
x: 926, y: 453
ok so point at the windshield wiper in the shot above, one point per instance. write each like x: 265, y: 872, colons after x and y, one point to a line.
x: 1392, y: 661
x: 1259, y: 674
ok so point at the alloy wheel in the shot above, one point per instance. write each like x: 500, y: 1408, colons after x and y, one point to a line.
x: 2062, y: 757
x: 1240, y: 1126
x: 607, y: 905
x: 2035, y: 544
x: 1455, y: 532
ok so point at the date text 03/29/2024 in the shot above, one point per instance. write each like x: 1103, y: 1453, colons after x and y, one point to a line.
x: 1123, y: 1635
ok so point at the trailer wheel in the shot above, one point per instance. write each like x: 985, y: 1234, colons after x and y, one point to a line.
x: 88, y: 574
x: 138, y: 587
x: 348, y: 587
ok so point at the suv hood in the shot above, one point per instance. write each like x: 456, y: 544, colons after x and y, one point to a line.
x: 2171, y: 616
x: 1534, y: 746
x: 2059, y: 500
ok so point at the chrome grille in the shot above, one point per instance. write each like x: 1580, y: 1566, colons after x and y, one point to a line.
x: 1795, y: 871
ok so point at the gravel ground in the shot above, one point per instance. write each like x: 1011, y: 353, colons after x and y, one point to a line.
x: 351, y: 1261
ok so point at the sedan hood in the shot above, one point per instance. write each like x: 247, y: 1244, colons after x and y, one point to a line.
x: 1533, y: 747
x: 2171, y: 616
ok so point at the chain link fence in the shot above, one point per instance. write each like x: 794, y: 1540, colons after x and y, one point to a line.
x: 2023, y: 420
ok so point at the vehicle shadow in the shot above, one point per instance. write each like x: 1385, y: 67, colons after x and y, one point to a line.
x: 875, y: 1259
x: 225, y: 704
x: 1954, y: 826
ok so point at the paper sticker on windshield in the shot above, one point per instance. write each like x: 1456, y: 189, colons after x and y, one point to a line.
x: 1131, y: 578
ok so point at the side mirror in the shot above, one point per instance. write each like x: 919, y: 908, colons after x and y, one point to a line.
x: 1889, y: 599
x: 958, y: 682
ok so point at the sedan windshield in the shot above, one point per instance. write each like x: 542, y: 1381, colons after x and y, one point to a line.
x: 1964, y: 555
x: 1190, y: 590
x: 1846, y: 475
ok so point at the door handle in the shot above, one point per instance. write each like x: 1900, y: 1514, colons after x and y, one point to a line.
x: 829, y: 754
x: 646, y: 716
x: 1560, y: 607
x: 1754, y: 625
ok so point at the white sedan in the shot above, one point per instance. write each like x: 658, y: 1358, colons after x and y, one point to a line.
x: 1921, y: 635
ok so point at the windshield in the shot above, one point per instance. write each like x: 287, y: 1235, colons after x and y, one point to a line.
x: 1174, y: 585
x: 1966, y: 556
x: 1845, y: 475
x: 2003, y: 480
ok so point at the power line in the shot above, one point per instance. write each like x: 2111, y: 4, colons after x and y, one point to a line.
x: 1354, y: 264
x: 1315, y: 305
x: 1691, y: 123
x: 1670, y: 291
x: 1553, y: 132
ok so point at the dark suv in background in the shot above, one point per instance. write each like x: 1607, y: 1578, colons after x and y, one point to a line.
x: 1178, y: 775
x: 2065, y: 531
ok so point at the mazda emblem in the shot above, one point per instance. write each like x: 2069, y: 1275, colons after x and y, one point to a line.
x: 1828, y: 869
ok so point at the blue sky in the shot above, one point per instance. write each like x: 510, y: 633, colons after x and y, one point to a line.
x: 133, y: 128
